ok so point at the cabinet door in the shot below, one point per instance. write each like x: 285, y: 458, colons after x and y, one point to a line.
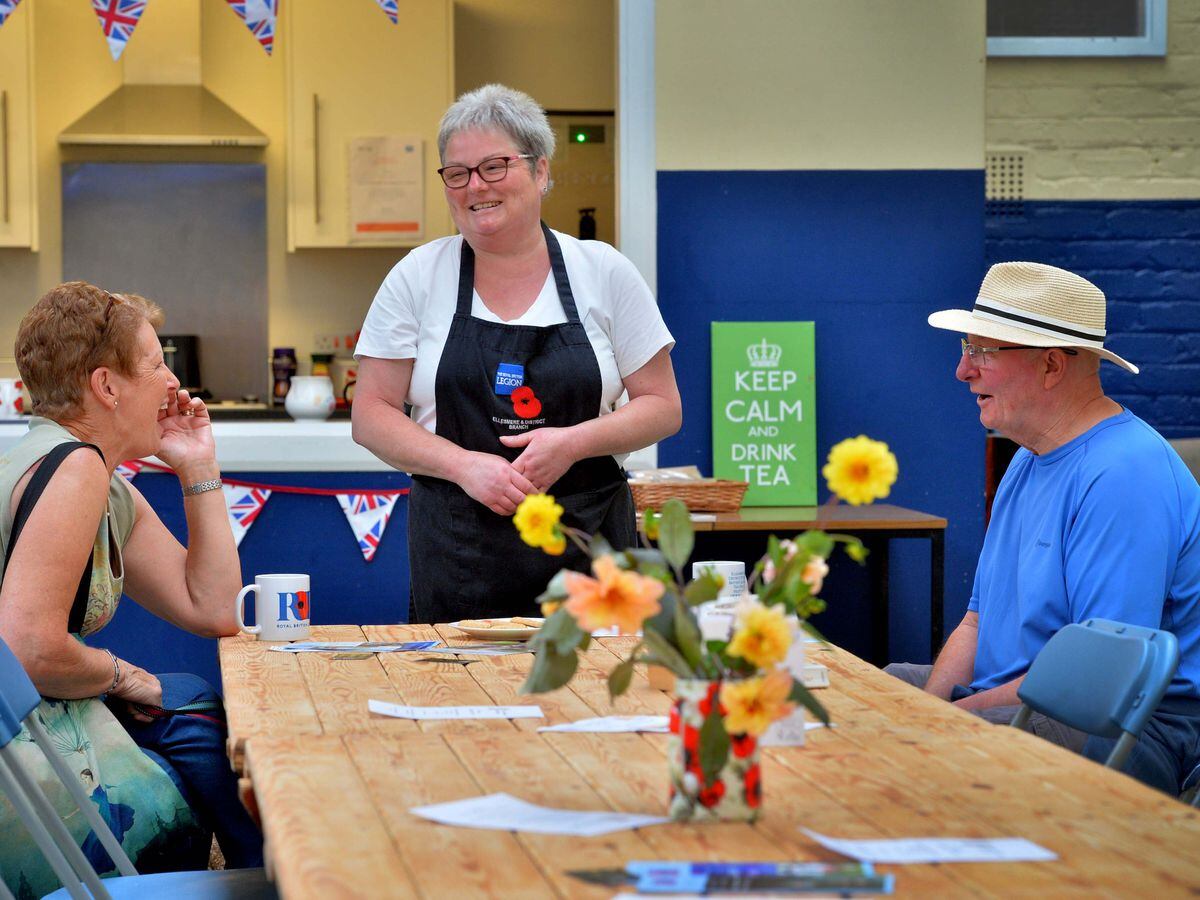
x: 18, y: 217
x: 355, y: 74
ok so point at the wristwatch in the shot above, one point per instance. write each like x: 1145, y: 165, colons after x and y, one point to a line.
x: 201, y: 487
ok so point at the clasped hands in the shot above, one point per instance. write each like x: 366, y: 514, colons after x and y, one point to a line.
x: 500, y: 485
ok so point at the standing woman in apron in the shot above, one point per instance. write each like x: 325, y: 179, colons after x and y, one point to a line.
x: 490, y: 364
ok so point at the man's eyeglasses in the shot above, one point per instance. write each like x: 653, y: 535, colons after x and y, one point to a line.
x: 490, y: 170
x: 978, y: 355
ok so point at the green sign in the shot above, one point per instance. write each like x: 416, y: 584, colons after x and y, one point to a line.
x: 764, y: 410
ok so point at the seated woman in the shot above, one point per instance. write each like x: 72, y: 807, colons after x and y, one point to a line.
x: 149, y: 749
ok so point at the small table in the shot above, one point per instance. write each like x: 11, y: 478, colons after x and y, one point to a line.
x: 875, y: 525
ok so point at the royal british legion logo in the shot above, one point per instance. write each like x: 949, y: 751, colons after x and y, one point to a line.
x: 764, y: 355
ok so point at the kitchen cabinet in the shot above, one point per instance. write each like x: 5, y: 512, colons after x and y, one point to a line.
x: 18, y: 184
x: 353, y: 75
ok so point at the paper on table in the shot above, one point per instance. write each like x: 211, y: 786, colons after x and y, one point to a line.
x: 454, y: 712
x: 497, y: 649
x: 613, y: 724
x: 504, y: 812
x: 939, y: 850
x: 363, y: 646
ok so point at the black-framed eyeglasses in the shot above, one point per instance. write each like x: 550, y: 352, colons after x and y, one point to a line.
x: 490, y: 170
x: 978, y: 355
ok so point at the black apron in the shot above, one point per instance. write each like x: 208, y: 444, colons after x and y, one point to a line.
x: 497, y: 379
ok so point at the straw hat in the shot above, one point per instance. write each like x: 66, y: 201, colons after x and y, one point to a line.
x: 1035, y: 304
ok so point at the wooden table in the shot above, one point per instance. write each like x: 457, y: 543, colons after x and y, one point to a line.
x: 876, y: 525
x: 333, y: 783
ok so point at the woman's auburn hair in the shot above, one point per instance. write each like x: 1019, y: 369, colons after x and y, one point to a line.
x: 70, y: 332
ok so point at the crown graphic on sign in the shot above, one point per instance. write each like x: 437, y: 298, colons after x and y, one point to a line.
x: 764, y: 355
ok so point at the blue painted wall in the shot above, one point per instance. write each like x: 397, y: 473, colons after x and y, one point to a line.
x: 866, y: 255
x: 293, y: 533
x: 1145, y: 256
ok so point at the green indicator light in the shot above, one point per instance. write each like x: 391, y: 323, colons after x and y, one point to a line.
x: 581, y: 138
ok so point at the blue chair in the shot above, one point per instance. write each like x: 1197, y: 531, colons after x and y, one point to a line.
x: 18, y: 699
x: 1102, y: 677
x: 1191, y: 788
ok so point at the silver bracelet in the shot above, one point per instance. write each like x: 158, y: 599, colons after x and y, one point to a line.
x: 201, y: 487
x: 116, y: 671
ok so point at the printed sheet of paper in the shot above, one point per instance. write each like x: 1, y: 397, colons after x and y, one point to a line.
x: 386, y: 188
x: 454, y: 712
x: 613, y: 724
x: 361, y: 646
x: 504, y: 812
x: 936, y: 850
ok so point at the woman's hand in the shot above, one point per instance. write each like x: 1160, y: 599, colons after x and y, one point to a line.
x: 138, y: 688
x: 494, y: 482
x: 186, y: 432
x: 548, y: 453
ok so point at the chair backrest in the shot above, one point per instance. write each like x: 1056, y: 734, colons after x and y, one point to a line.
x: 1102, y: 677
x: 18, y: 696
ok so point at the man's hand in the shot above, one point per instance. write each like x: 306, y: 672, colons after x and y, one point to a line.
x: 494, y: 482
x: 548, y: 453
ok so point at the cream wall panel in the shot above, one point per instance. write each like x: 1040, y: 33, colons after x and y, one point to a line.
x: 559, y: 51
x: 1104, y: 129
x: 820, y: 84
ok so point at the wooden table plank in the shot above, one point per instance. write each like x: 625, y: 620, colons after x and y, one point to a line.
x: 324, y: 837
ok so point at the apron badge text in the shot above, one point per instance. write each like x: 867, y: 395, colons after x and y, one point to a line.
x: 509, y: 376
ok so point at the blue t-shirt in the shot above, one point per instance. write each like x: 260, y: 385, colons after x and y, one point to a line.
x: 1107, y: 526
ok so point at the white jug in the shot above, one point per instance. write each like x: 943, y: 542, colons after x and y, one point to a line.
x: 310, y: 397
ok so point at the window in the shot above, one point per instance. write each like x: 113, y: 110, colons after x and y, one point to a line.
x: 1077, y: 28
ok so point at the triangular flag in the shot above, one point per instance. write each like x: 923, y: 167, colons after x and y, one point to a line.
x: 244, y: 505
x: 118, y: 18
x: 259, y: 16
x: 391, y: 8
x: 130, y: 468
x: 7, y: 7
x: 368, y: 516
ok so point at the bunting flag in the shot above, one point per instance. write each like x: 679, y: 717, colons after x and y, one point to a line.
x: 259, y: 16
x: 244, y: 505
x: 368, y: 516
x: 118, y: 18
x: 391, y: 8
x: 7, y: 7
x: 130, y: 468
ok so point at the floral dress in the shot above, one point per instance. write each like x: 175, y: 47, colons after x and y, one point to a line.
x: 134, y: 795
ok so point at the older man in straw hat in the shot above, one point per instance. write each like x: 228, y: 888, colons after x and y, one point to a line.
x: 1097, y: 516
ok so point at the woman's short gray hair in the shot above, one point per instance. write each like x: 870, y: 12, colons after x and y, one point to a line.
x: 499, y: 108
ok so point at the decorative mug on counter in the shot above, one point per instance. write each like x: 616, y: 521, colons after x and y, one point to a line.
x: 733, y: 571
x: 310, y: 397
x: 282, y: 606
x: 12, y: 404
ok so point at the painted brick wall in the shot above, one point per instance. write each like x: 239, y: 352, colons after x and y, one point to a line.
x: 1106, y: 127
x: 1145, y: 256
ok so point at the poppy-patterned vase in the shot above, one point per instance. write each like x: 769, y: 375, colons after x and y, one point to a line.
x: 736, y: 792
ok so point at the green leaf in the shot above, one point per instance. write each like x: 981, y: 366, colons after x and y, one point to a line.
x: 687, y: 636
x: 663, y: 621
x: 802, y: 695
x: 714, y: 743
x: 675, y: 537
x: 550, y: 670
x: 650, y: 523
x: 560, y: 631
x: 702, y: 589
x: 670, y: 657
x: 620, y: 677
x: 599, y: 546
x: 556, y: 589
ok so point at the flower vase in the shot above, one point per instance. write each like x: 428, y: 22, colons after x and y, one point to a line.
x: 735, y: 794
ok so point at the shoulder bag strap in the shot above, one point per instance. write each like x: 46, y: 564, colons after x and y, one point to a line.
x: 33, y: 491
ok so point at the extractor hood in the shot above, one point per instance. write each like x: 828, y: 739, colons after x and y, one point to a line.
x: 172, y: 115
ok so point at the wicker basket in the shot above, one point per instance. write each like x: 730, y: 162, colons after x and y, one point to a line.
x: 700, y: 496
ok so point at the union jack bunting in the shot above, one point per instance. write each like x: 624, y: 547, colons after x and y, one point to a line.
x: 368, y: 516
x: 259, y: 16
x: 7, y: 6
x: 118, y: 18
x: 390, y: 7
x: 130, y: 468
x: 244, y: 504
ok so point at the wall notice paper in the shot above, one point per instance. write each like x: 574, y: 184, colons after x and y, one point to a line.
x: 454, y: 712
x: 361, y: 646
x: 613, y: 724
x: 387, y: 189
x: 503, y: 812
x: 936, y: 850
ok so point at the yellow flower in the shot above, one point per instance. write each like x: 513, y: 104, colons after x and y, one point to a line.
x: 537, y: 521
x: 550, y: 607
x: 753, y: 704
x: 761, y: 635
x: 556, y: 546
x: 613, y: 597
x: 860, y: 470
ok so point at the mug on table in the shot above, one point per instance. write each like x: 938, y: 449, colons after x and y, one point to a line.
x: 12, y: 404
x: 282, y: 607
x: 733, y: 571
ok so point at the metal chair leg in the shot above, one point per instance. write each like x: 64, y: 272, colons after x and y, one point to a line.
x: 1120, y: 753
x: 1021, y: 719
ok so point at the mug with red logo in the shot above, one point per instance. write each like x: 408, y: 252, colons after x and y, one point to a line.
x: 282, y: 606
x: 12, y: 404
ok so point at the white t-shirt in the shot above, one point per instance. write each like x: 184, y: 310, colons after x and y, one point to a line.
x: 412, y: 311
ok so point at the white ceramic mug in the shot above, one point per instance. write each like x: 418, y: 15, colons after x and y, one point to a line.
x: 12, y: 404
x: 282, y: 606
x: 733, y: 571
